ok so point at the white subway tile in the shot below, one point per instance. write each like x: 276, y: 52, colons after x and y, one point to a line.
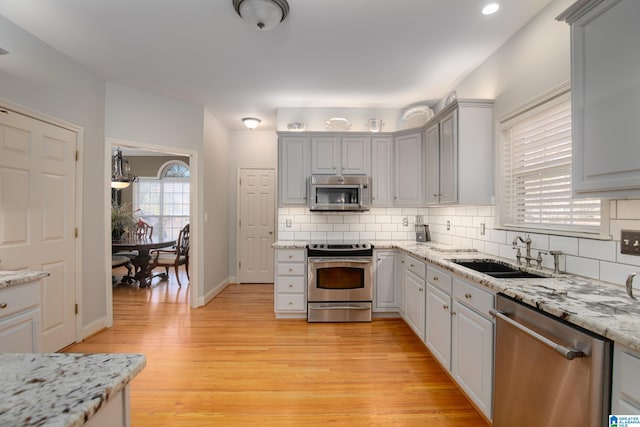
x: 318, y: 237
x: 367, y: 219
x: 399, y: 235
x: 298, y: 211
x: 378, y: 211
x: 286, y: 235
x: 302, y: 236
x: 613, y: 211
x: 507, y: 251
x: 335, y: 236
x: 351, y: 236
x: 492, y: 248
x: 478, y: 245
x: 390, y: 227
x: 367, y: 236
x: 383, y: 219
x: 383, y: 235
x: 628, y: 209
x: 351, y: 219
x: 632, y: 260
x: 538, y: 241
x: 583, y: 267
x: 357, y: 227
x: 485, y: 211
x: 308, y: 227
x: 471, y: 211
x: 617, y: 225
x: 568, y: 245
x: 394, y: 211
x: 302, y: 219
x: 498, y: 236
x: 599, y: 249
x: 318, y: 219
x: 466, y: 221
x: 373, y: 227
x: 335, y: 219
x: 341, y: 227
x: 617, y: 273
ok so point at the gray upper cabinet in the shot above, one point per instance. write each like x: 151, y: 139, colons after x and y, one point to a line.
x: 459, y: 154
x: 293, y: 169
x: 382, y: 171
x: 605, y: 86
x: 335, y: 155
x: 408, y: 169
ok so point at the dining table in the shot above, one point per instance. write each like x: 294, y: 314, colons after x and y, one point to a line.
x: 143, y: 245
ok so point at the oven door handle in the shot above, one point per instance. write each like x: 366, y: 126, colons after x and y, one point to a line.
x: 567, y: 353
x: 343, y: 260
x: 341, y: 307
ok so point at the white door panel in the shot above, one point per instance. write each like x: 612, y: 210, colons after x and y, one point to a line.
x: 257, y: 225
x: 37, y: 216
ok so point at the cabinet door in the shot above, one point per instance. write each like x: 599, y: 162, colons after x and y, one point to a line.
x: 472, y: 357
x: 625, y: 390
x: 414, y: 302
x: 20, y: 333
x: 438, y: 327
x: 386, y: 296
x: 432, y: 164
x: 325, y: 155
x: 605, y: 88
x: 356, y: 156
x: 448, y: 170
x: 293, y: 170
x: 408, y: 169
x: 382, y: 171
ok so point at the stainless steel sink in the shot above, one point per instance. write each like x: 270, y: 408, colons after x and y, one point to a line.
x: 497, y: 269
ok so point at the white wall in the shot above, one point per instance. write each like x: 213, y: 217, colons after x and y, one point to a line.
x: 249, y: 149
x: 40, y: 79
x: 215, y: 188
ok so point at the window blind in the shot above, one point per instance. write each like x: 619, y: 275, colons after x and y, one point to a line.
x: 537, y: 171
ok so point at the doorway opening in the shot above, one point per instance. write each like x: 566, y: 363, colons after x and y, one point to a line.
x: 169, y: 158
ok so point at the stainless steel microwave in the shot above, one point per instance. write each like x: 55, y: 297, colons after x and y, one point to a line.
x: 339, y: 193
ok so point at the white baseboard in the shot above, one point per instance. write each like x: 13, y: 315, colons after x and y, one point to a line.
x: 93, y: 328
x: 215, y: 291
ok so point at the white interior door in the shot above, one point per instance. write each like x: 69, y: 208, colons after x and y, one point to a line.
x: 256, y: 225
x: 37, y: 216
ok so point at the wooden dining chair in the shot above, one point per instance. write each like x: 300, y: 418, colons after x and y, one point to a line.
x: 175, y: 257
x: 143, y: 230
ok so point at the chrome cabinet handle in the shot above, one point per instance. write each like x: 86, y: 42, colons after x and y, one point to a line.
x: 435, y: 278
x: 467, y: 296
x: 566, y: 352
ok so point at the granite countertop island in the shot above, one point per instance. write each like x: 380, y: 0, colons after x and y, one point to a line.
x: 14, y: 278
x: 61, y: 390
x: 601, y: 307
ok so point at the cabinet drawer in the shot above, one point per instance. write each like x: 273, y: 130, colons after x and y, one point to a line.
x: 290, y: 284
x: 290, y: 269
x: 474, y: 297
x: 290, y: 302
x: 416, y: 266
x: 630, y: 380
x: 290, y: 255
x: 439, y: 278
x: 18, y: 298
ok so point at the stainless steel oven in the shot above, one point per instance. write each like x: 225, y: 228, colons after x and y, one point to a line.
x: 340, y: 287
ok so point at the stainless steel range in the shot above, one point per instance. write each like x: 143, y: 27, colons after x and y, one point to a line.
x: 340, y: 282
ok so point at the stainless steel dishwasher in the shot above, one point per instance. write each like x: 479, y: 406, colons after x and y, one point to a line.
x: 548, y: 372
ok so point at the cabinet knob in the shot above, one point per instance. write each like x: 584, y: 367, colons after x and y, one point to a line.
x: 467, y: 296
x: 290, y: 302
x: 3, y: 305
x: 435, y: 278
x: 420, y: 289
x: 290, y: 256
x: 453, y: 313
x: 290, y: 270
x: 435, y: 195
x: 291, y: 286
x: 412, y: 265
x: 445, y: 307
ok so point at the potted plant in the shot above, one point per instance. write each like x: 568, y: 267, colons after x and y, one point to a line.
x: 121, y: 220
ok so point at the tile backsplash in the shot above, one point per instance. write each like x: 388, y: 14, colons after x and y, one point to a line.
x: 473, y: 227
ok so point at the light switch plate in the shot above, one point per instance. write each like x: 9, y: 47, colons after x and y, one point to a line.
x: 630, y: 242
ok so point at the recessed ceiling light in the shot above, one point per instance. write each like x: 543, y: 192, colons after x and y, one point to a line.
x: 490, y: 9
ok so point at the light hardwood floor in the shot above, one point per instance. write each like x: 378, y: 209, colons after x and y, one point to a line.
x: 231, y: 363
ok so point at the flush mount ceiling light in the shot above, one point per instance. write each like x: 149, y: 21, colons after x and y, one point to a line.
x: 251, y: 122
x: 490, y: 9
x: 262, y: 14
x: 121, y: 175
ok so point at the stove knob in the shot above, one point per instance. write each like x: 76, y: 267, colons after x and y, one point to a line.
x: 314, y: 246
x: 322, y: 246
x: 357, y: 245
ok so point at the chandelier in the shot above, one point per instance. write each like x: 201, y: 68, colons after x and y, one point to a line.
x: 121, y: 175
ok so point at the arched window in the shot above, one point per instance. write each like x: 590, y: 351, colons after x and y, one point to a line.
x: 163, y: 201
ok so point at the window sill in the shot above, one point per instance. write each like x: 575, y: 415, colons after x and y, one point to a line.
x: 563, y: 233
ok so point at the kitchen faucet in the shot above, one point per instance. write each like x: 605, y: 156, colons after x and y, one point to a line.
x: 528, y: 256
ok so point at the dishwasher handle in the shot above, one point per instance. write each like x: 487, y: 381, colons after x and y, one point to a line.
x: 567, y: 353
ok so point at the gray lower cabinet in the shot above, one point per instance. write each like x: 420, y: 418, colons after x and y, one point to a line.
x: 20, y: 318
x: 472, y: 343
x: 290, y: 283
x: 414, y: 295
x: 625, y: 390
x: 386, y: 297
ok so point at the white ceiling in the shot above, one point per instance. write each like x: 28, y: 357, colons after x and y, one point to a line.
x: 327, y: 53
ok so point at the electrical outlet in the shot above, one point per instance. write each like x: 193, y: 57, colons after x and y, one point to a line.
x: 448, y: 225
x: 630, y: 242
x: 482, y: 229
x: 287, y: 223
x: 405, y: 221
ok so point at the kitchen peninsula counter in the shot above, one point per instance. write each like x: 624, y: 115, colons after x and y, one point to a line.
x: 600, y: 307
x: 62, y: 390
x: 13, y: 278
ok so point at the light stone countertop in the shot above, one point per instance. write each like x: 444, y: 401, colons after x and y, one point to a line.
x: 600, y: 307
x: 14, y: 278
x: 62, y: 390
